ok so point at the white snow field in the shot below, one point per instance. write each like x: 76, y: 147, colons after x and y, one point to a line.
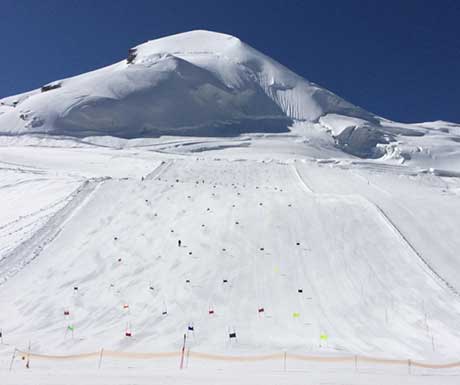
x: 324, y: 238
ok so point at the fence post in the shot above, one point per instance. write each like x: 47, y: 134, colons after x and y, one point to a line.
x: 284, y: 360
x: 12, y: 359
x: 181, y: 366
x: 409, y: 364
x: 356, y: 363
x: 28, y: 355
x: 100, y: 358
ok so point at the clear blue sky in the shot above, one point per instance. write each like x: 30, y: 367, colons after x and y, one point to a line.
x: 399, y: 59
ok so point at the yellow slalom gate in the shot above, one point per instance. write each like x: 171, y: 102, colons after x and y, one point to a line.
x: 241, y: 358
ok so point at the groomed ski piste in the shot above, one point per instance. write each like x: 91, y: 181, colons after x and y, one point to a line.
x: 283, y: 257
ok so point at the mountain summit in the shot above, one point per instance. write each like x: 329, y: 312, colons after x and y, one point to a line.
x: 199, y: 83
x: 193, y: 83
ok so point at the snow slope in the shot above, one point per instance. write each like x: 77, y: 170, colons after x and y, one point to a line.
x: 377, y: 269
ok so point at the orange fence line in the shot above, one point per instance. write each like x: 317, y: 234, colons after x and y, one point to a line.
x: 59, y: 357
x: 147, y: 355
x: 301, y: 357
x: 436, y: 366
x: 388, y: 361
x: 217, y: 357
x: 236, y: 358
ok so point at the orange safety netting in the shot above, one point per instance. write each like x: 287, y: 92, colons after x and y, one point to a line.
x: 249, y: 358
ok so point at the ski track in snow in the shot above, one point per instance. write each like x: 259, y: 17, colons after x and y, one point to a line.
x: 397, y: 231
x: 162, y: 168
x: 386, y: 219
x: 385, y: 215
x: 14, y: 261
x: 392, y: 224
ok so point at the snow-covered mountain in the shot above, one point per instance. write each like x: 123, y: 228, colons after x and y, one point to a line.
x: 203, y: 83
x: 196, y: 83
x: 287, y: 234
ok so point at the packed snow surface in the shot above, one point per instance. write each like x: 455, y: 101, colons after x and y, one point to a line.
x: 363, y: 252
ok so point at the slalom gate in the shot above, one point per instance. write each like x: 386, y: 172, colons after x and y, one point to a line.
x: 283, y: 357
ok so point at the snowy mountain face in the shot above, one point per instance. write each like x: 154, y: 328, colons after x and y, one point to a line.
x: 196, y: 83
x: 299, y: 214
x: 203, y: 84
